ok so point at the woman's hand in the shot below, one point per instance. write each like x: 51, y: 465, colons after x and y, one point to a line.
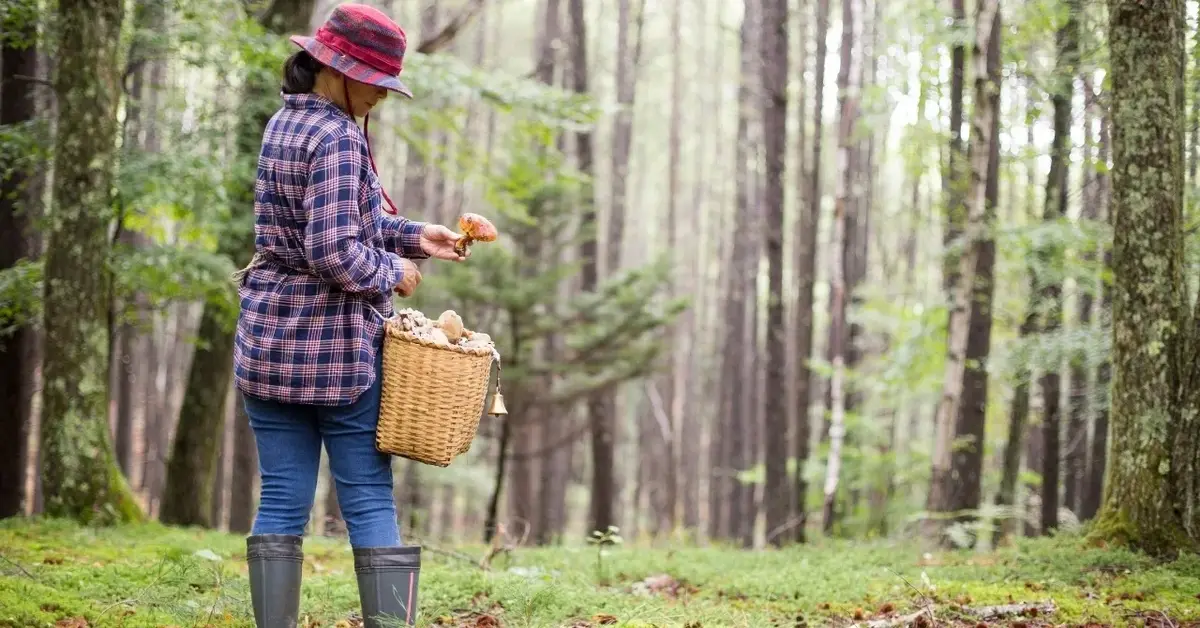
x: 438, y: 241
x: 410, y: 280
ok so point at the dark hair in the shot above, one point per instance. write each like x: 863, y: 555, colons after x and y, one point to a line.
x: 300, y: 73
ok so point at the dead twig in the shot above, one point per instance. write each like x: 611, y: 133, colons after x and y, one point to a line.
x: 502, y: 543
x: 18, y: 566
x: 928, y: 602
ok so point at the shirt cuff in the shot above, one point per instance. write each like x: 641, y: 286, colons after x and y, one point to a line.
x: 403, y: 237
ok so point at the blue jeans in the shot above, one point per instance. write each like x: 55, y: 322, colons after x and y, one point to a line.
x: 289, y: 438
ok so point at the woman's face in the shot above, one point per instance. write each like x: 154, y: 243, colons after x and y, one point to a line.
x: 364, y: 97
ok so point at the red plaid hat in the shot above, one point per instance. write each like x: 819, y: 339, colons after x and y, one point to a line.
x: 362, y: 43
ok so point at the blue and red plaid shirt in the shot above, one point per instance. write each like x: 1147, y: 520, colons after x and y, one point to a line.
x: 326, y: 261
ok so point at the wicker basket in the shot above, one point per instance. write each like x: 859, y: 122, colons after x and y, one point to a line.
x: 432, y: 397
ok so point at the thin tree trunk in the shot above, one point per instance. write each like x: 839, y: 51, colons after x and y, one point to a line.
x: 974, y: 228
x: 18, y: 207
x: 774, y: 47
x: 1094, y: 484
x: 244, y: 474
x: 737, y: 356
x: 967, y: 464
x: 1051, y: 294
x: 843, y: 226
x: 806, y: 277
x: 1081, y: 371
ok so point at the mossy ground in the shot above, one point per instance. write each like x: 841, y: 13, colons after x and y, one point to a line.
x: 55, y: 573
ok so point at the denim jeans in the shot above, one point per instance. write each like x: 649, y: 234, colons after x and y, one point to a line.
x: 289, y: 438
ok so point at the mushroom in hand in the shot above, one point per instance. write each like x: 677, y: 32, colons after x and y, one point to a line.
x: 474, y: 227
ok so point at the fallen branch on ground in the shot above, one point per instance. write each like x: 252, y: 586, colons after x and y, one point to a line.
x: 989, y: 613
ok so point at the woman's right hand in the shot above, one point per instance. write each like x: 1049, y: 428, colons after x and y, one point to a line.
x: 410, y: 279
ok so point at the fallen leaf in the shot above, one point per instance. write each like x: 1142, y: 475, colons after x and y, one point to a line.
x: 73, y: 622
x: 604, y: 618
x: 858, y: 614
x: 486, y: 621
x: 888, y: 607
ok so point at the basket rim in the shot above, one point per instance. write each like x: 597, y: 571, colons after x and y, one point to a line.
x: 392, y: 327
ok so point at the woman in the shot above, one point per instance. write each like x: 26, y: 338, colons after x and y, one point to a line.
x: 308, y: 351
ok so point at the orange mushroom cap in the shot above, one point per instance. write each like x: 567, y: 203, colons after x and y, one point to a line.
x: 477, y: 227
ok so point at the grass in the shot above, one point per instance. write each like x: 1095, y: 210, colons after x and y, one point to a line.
x: 54, y: 573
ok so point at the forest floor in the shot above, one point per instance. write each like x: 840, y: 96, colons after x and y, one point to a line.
x: 61, y: 575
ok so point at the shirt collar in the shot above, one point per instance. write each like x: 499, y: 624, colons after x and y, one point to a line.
x: 309, y: 101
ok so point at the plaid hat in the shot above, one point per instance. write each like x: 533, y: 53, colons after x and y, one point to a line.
x: 362, y: 43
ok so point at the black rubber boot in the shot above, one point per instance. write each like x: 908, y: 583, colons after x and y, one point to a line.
x: 387, y: 584
x: 276, y: 566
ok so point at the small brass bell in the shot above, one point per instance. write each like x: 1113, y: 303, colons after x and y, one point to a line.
x: 497, y: 408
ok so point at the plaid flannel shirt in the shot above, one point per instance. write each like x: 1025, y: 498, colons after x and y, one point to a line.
x: 326, y: 261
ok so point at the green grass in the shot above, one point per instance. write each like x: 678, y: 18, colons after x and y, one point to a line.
x: 150, y: 575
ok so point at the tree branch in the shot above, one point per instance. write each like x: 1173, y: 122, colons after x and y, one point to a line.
x: 444, y: 37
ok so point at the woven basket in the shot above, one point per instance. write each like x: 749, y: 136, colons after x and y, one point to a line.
x: 432, y: 397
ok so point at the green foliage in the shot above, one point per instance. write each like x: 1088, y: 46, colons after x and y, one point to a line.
x: 148, y: 575
x: 20, y: 295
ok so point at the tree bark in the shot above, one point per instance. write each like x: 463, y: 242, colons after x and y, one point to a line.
x: 192, y: 465
x: 80, y: 475
x: 1149, y: 497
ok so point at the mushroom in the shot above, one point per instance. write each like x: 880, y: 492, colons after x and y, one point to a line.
x: 451, y: 324
x: 474, y: 227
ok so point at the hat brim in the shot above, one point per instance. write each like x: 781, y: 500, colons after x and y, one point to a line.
x: 350, y: 66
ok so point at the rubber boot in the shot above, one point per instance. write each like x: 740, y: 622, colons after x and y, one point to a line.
x: 276, y: 566
x: 387, y: 584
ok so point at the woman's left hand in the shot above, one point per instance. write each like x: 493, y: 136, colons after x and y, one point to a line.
x: 438, y: 241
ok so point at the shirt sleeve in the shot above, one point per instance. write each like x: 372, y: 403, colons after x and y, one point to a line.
x: 403, y: 236
x: 331, y: 241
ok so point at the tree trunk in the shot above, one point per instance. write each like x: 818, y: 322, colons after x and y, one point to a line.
x: 806, y: 277
x: 954, y: 185
x: 193, y: 462
x: 79, y: 471
x: 1081, y: 371
x: 1149, y: 497
x: 245, y: 472
x: 966, y: 470
x: 974, y: 228
x: 1094, y: 482
x: 18, y: 57
x: 1051, y: 294
x: 844, y: 226
x: 744, y: 274
x: 774, y: 46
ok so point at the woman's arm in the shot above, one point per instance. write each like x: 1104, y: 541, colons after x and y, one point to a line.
x: 334, y: 220
x: 402, y: 236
